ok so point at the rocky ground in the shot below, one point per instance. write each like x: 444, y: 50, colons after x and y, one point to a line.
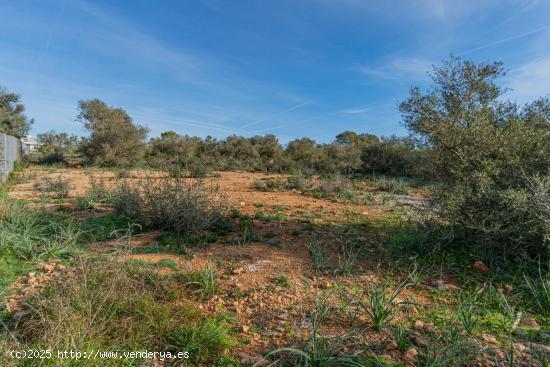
x: 270, y: 285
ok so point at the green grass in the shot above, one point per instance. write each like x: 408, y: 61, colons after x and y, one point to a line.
x: 103, y: 226
x: 204, y: 282
x: 270, y: 217
x: 205, y: 341
x: 539, y: 290
x: 282, y: 280
x: 111, y: 305
x: 392, y: 185
x: 179, y: 243
x: 28, y: 235
x: 319, y: 254
x: 380, y: 303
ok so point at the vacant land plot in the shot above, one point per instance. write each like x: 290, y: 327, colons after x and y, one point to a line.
x: 318, y: 275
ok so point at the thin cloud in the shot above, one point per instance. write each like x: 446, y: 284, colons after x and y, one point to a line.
x: 158, y: 120
x: 51, y: 33
x: 356, y: 110
x: 530, y: 81
x: 287, y: 125
x: 277, y: 114
x: 398, y: 68
x: 507, y: 39
x: 131, y: 42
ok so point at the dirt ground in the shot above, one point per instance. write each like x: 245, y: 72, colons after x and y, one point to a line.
x: 267, y: 312
x: 236, y: 185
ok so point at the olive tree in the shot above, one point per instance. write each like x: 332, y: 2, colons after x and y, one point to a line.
x: 13, y: 120
x: 491, y: 156
x: 114, y: 138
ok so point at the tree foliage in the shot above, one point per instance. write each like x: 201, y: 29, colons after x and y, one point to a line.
x: 491, y: 157
x: 13, y: 120
x: 56, y: 147
x: 114, y: 138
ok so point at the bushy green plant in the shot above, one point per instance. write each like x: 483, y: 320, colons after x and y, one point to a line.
x: 401, y: 337
x: 205, y: 282
x: 394, y: 157
x: 380, y: 303
x: 185, y: 206
x: 205, y: 341
x: 246, y: 226
x: 468, y: 317
x: 491, y: 158
x: 197, y: 169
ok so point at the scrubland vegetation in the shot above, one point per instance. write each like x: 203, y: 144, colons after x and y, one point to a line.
x: 430, y: 250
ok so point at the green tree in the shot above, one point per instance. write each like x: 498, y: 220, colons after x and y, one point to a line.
x: 394, y: 156
x: 344, y: 154
x: 114, y: 138
x: 13, y: 120
x: 269, y: 150
x: 490, y: 156
x: 305, y: 153
x: 55, y: 147
x: 171, y: 145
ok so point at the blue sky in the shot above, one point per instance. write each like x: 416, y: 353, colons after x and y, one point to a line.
x: 292, y: 68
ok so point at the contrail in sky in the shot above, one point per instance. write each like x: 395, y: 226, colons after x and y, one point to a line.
x: 504, y: 40
x: 277, y: 114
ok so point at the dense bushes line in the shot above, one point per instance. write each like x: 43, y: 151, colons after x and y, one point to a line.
x: 349, y: 153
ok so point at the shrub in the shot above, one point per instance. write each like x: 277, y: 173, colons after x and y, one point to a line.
x: 491, y: 157
x: 392, y: 185
x: 190, y: 207
x: 114, y: 138
x: 296, y: 182
x: 97, y: 193
x: 175, y: 170
x: 336, y: 184
x: 392, y: 156
x: 197, y: 169
x: 52, y: 158
x: 56, y: 147
x: 56, y: 187
x: 260, y: 185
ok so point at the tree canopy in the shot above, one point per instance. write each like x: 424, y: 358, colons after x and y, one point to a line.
x: 13, y: 120
x: 114, y: 138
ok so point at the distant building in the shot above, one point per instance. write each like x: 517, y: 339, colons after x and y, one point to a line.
x: 29, y: 144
